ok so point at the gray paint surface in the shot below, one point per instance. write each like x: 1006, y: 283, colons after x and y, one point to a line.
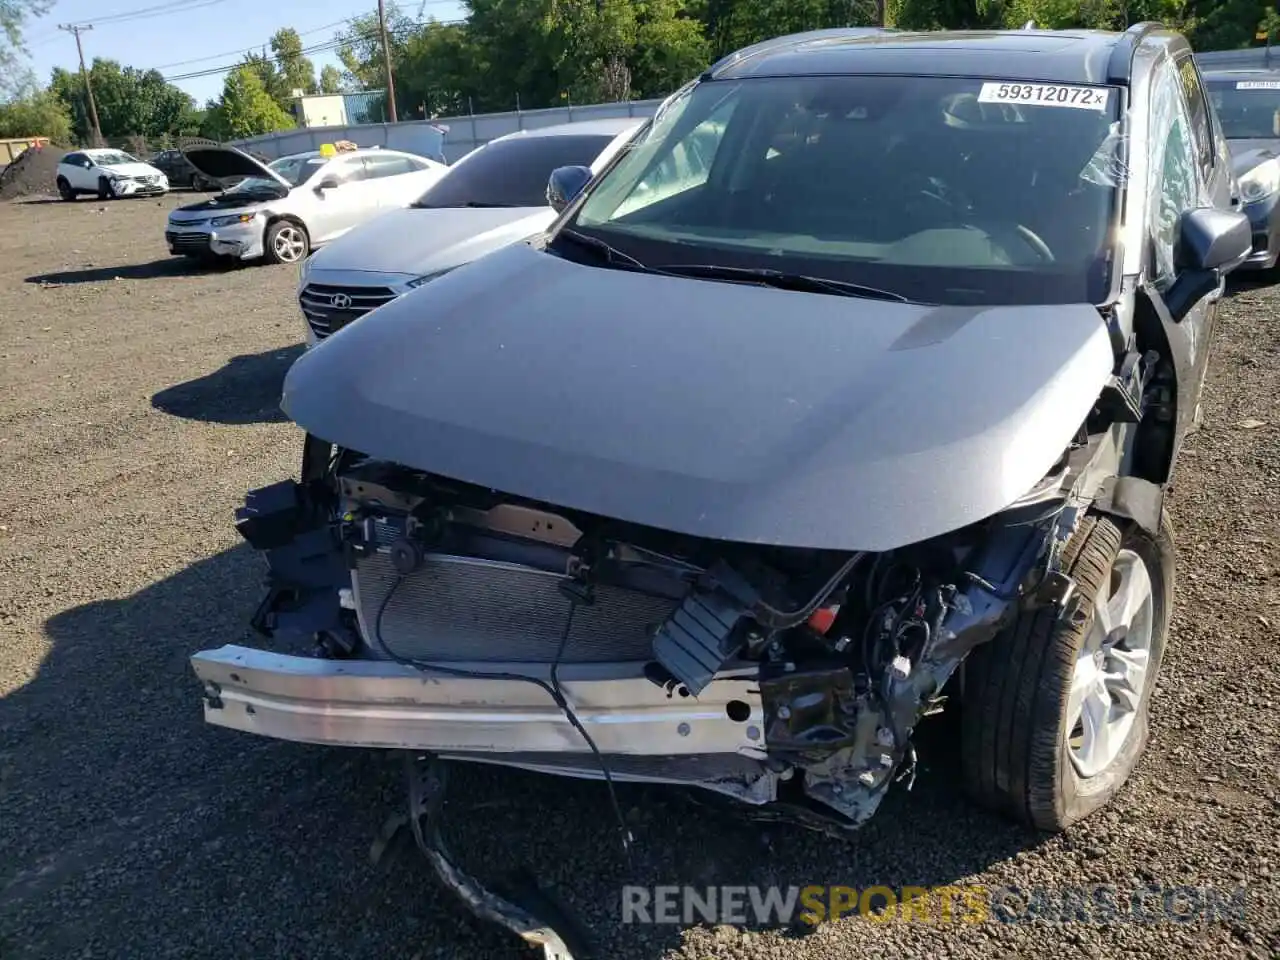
x: 713, y: 409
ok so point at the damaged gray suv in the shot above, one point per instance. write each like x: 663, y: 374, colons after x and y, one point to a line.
x: 745, y: 466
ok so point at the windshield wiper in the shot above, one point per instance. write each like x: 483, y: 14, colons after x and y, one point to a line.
x: 782, y: 280
x: 609, y: 254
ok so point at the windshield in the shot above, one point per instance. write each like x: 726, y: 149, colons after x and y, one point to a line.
x: 296, y: 170
x: 113, y: 158
x: 1247, y: 108
x: 512, y: 173
x: 939, y: 189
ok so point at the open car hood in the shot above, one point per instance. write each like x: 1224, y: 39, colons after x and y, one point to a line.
x: 712, y: 409
x: 224, y: 164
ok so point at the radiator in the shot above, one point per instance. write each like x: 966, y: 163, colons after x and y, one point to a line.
x: 462, y: 608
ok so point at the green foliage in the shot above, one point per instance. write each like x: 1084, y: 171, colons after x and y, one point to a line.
x: 35, y: 112
x: 330, y: 79
x: 295, y: 70
x: 247, y: 107
x: 13, y: 15
x: 540, y: 53
x: 131, y: 102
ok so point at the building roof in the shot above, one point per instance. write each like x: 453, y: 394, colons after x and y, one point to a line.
x: 1056, y: 56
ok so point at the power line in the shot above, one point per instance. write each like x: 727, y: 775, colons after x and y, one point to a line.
x: 147, y: 13
x: 322, y: 47
x: 240, y: 50
x: 76, y: 29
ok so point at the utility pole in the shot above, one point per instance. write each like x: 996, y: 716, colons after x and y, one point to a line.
x: 386, y: 57
x: 77, y: 29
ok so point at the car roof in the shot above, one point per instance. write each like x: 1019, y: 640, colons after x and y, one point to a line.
x: 96, y: 151
x: 607, y: 127
x: 1056, y: 56
x: 361, y: 152
x: 1239, y: 73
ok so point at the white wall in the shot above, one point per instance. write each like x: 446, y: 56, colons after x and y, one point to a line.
x: 327, y: 111
x: 465, y: 133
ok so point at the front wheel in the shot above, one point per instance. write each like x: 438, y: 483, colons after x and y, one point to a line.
x: 105, y: 190
x: 286, y: 242
x: 1055, y: 709
x: 64, y: 189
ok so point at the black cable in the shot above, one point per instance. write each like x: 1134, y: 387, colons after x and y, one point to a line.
x: 552, y: 689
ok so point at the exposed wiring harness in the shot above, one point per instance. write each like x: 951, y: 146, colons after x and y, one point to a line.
x: 552, y: 689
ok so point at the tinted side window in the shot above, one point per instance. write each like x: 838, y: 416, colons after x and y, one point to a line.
x: 512, y: 173
x: 1201, y: 127
x: 349, y: 171
x: 1176, y: 192
x: 390, y: 165
x: 74, y: 159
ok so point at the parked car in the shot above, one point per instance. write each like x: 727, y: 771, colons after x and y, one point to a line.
x: 724, y: 489
x: 180, y: 171
x: 495, y: 195
x: 283, y: 210
x: 107, y: 174
x: 1247, y: 103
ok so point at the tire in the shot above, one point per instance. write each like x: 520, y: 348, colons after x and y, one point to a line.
x: 105, y: 190
x: 64, y: 189
x: 1020, y: 751
x: 286, y: 242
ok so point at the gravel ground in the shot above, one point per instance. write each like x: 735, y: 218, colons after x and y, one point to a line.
x: 138, y: 403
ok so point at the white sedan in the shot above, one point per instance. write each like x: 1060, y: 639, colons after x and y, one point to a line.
x: 108, y: 173
x: 283, y: 210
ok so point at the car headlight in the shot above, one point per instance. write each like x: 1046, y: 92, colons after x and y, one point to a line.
x: 426, y: 278
x: 1261, y: 182
x: 232, y: 221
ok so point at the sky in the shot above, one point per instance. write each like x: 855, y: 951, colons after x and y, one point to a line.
x: 167, y: 34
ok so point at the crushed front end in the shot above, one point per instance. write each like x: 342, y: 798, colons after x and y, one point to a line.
x: 407, y: 611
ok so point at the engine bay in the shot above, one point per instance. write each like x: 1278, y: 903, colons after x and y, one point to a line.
x: 371, y: 560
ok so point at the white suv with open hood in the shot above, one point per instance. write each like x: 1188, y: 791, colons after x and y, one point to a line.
x: 282, y: 210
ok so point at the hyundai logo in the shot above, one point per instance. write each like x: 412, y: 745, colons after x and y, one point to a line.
x: 340, y: 301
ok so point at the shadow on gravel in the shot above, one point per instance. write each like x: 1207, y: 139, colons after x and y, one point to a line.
x: 245, y: 390
x: 128, y: 821
x: 167, y: 268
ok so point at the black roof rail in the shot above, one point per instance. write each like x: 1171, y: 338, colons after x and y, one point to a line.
x: 1120, y: 67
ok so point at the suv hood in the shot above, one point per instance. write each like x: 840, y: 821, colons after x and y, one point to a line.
x: 713, y: 409
x: 224, y: 164
x: 415, y: 241
x: 138, y: 169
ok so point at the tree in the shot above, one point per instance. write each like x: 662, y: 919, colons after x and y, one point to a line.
x: 330, y: 79
x: 360, y: 48
x: 35, y: 112
x: 13, y: 14
x: 247, y: 108
x: 131, y: 102
x: 294, y: 69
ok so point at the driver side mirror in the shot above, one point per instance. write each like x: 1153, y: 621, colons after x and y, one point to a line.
x: 1211, y: 243
x: 331, y: 182
x: 566, y: 183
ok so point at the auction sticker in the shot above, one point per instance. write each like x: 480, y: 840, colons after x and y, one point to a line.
x: 1046, y: 95
x: 1258, y: 84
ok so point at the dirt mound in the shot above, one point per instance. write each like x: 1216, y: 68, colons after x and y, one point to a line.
x: 33, y: 174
